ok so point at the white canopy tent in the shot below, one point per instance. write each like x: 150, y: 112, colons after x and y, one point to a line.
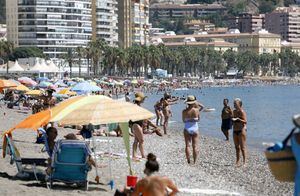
x: 53, y: 67
x: 44, y: 67
x: 16, y: 67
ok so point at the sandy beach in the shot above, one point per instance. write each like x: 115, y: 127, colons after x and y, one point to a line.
x: 214, y: 170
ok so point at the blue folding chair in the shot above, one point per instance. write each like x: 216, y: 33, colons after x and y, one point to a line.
x: 69, y: 163
x: 12, y: 150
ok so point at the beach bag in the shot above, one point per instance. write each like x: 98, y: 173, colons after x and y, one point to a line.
x: 282, y: 163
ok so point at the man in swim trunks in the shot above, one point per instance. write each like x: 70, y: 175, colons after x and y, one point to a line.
x: 226, y: 119
x: 190, y: 117
x: 239, y: 130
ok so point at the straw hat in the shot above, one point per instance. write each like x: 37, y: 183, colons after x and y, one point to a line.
x: 139, y: 96
x: 191, y: 99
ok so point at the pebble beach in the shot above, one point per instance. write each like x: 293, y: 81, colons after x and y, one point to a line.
x: 214, y: 173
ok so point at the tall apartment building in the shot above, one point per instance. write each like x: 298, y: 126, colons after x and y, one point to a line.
x: 285, y: 21
x: 166, y: 10
x: 247, y: 23
x: 12, y: 21
x: 105, y: 19
x: 133, y: 22
x: 54, y: 25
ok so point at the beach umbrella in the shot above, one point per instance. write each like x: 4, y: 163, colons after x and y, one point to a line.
x: 44, y: 84
x: 60, y: 83
x: 85, y: 87
x: 34, y: 92
x: 134, y: 82
x: 66, y: 91
x: 27, y: 81
x: 41, y: 79
x: 82, y: 110
x: 21, y: 87
x: 71, y: 83
x: 7, y: 84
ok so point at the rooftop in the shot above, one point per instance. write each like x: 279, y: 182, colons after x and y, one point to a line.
x: 187, y: 6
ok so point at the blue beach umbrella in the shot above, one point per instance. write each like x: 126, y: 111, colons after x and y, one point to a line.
x: 85, y: 87
x: 40, y: 79
x: 44, y: 84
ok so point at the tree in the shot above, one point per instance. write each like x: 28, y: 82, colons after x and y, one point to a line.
x: 69, y: 58
x: 229, y: 57
x: 6, y: 51
x: 26, y: 52
x: 265, y: 62
x: 289, y: 62
x: 96, y: 50
x: 247, y: 62
x: 80, y: 54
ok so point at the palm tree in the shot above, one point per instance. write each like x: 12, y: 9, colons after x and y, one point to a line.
x: 6, y: 51
x: 87, y: 53
x: 96, y: 51
x: 80, y: 54
x: 69, y: 57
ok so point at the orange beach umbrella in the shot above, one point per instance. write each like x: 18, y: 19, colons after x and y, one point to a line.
x: 7, y: 84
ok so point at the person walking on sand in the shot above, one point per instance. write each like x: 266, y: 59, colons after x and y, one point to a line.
x: 167, y: 101
x: 190, y: 117
x: 239, y: 130
x: 158, y: 112
x: 226, y: 119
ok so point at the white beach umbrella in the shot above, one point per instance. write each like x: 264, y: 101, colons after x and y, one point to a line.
x: 36, y: 68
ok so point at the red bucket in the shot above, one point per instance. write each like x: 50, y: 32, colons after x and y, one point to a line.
x: 131, y: 181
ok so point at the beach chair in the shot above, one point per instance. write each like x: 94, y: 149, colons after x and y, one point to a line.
x: 69, y: 163
x: 12, y: 150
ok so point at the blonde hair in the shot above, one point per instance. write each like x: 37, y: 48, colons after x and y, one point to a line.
x: 239, y: 101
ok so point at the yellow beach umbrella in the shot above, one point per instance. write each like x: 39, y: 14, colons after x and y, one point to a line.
x: 7, y: 84
x: 134, y: 82
x: 104, y: 111
x: 81, y: 110
x: 34, y: 92
x: 67, y: 91
x: 21, y: 87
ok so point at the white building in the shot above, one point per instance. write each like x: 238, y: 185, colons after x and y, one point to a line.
x: 54, y: 25
x: 105, y: 19
x: 12, y: 21
x: 141, y: 22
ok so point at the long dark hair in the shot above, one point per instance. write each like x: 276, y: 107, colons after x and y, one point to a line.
x: 151, y: 164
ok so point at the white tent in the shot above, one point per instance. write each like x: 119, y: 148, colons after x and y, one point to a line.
x: 37, y: 68
x: 15, y: 68
x: 53, y: 67
x: 45, y: 68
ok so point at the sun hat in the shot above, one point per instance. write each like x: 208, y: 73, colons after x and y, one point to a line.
x: 191, y: 99
x: 139, y: 96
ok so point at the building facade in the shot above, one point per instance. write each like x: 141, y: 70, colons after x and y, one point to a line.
x: 259, y: 42
x: 12, y: 21
x: 164, y: 10
x: 285, y: 21
x: 133, y: 22
x: 247, y: 23
x: 54, y: 26
x: 105, y: 19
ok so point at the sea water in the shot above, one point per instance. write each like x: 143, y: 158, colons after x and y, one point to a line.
x: 269, y: 110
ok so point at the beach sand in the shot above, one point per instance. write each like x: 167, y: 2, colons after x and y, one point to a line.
x: 214, y: 170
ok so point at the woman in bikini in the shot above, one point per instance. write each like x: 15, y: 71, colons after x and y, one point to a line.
x: 239, y: 130
x: 190, y: 117
x: 158, y: 111
x: 167, y: 101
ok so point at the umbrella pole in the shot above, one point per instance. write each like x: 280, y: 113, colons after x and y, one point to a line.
x: 111, y: 182
x: 94, y: 146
